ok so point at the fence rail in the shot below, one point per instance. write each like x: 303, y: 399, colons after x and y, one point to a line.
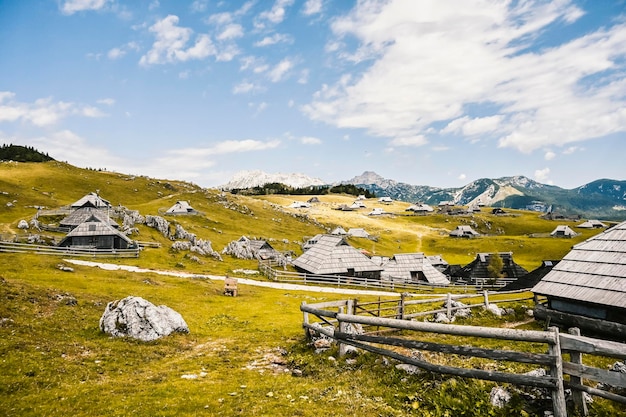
x: 267, y: 269
x: 11, y: 247
x: 336, y: 318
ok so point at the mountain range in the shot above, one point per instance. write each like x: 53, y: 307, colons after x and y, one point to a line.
x: 602, y: 199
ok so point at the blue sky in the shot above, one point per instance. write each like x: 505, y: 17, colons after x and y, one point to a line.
x: 428, y: 92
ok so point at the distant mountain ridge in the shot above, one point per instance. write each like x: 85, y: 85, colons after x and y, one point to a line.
x: 602, y: 199
x: 257, y: 178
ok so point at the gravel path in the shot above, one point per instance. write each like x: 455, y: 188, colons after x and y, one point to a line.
x: 244, y: 281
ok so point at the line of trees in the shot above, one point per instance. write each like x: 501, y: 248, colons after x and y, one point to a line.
x: 279, y: 188
x: 22, y: 154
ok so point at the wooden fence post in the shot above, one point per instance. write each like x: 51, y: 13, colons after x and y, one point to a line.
x: 449, y: 308
x: 305, y: 321
x: 556, y: 371
x: 343, y: 327
x: 577, y: 395
x: 486, y: 295
x: 401, y: 307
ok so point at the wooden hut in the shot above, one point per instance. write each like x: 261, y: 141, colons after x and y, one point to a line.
x: 181, y: 207
x: 464, y: 231
x: 592, y: 224
x: 97, y: 234
x: 358, y: 232
x: 332, y: 255
x: 587, y: 288
x: 260, y: 248
x: 411, y: 268
x: 532, y: 278
x: 563, y: 231
x: 479, y: 268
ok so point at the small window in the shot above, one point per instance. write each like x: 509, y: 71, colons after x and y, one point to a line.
x: 92, y: 227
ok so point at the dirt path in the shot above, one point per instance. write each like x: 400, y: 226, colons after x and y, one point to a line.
x: 242, y: 281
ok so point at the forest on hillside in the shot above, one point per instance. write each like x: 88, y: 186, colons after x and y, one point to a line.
x: 22, y: 154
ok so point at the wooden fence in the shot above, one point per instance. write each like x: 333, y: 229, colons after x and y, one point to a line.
x: 11, y: 247
x: 337, y: 317
x: 267, y: 269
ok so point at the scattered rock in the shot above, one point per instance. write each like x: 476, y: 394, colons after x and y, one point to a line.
x: 409, y: 369
x: 65, y: 268
x: 493, y: 308
x: 616, y: 367
x: 140, y: 319
x: 442, y: 318
x: 499, y: 397
x: 22, y: 224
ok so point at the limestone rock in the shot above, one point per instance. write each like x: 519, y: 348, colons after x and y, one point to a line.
x: 499, y: 397
x: 23, y: 224
x: 495, y: 309
x: 140, y: 319
x: 160, y: 224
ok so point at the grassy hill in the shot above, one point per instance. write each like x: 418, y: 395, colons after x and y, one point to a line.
x: 55, y: 361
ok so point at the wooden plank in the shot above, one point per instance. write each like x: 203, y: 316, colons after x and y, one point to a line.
x: 592, y: 346
x: 542, y: 382
x: 575, y: 320
x: 597, y: 392
x: 556, y: 371
x: 472, y: 331
x: 471, y: 351
x: 577, y: 358
x: 616, y: 379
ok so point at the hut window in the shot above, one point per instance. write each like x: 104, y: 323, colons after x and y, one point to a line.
x: 92, y: 227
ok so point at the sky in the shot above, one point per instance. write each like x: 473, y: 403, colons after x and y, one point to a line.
x: 426, y: 92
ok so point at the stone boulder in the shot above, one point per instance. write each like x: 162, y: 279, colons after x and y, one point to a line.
x: 23, y: 224
x: 140, y: 319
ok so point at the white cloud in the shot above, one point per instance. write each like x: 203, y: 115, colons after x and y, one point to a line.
x: 183, y: 75
x: 308, y: 140
x: 274, y: 39
x: 66, y: 145
x: 154, y: 4
x: 418, y: 140
x: 273, y: 16
x: 227, y: 147
x: 304, y: 76
x: 280, y: 71
x: 570, y: 150
x: 72, y: 6
x: 243, y: 87
x: 541, y: 175
x: 116, y: 53
x: 549, y: 155
x: 106, y: 101
x: 231, y: 31
x: 475, y: 126
x: 199, y: 6
x: 43, y: 112
x: 440, y: 148
x: 312, y: 7
x: 476, y: 68
x: 462, y: 177
x: 171, y: 44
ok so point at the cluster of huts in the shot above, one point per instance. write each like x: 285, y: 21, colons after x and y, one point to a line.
x: 89, y: 225
x: 587, y: 288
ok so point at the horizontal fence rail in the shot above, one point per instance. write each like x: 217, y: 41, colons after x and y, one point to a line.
x: 268, y: 269
x: 69, y: 251
x: 337, y: 319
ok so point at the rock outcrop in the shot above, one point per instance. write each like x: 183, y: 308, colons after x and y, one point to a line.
x: 140, y: 319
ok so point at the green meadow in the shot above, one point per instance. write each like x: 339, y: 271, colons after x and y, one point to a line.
x: 245, y: 355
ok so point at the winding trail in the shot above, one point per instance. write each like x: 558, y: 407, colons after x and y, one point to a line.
x: 243, y: 281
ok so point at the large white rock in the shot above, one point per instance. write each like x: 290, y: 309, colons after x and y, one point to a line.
x: 140, y: 319
x: 23, y: 224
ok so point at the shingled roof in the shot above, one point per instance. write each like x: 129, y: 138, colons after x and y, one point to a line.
x: 91, y: 200
x: 594, y: 271
x: 412, y: 267
x: 332, y: 255
x: 82, y: 214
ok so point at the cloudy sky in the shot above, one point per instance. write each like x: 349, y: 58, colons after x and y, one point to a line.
x: 429, y: 92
